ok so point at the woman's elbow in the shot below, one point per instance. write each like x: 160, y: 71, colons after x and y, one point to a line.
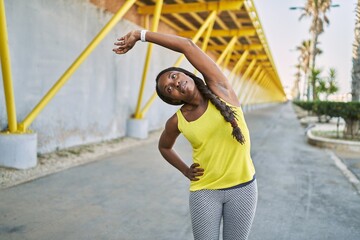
x: 189, y: 45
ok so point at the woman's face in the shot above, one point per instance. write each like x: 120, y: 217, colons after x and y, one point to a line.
x: 176, y: 85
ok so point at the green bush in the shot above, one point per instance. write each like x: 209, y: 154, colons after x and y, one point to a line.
x: 305, y: 105
x: 345, y: 110
x: 349, y: 111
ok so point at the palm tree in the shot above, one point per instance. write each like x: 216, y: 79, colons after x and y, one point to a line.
x: 305, y: 54
x: 333, y: 86
x: 355, y: 84
x: 327, y: 85
x: 316, y: 9
x: 295, y: 91
x: 315, y: 78
x: 304, y: 60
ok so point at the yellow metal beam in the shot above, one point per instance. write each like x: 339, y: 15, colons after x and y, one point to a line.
x: 208, y: 34
x: 251, y: 82
x: 6, y: 71
x: 250, y: 92
x: 248, y: 71
x: 254, y: 93
x: 236, y: 79
x: 228, y: 57
x: 206, y: 38
x: 239, y: 64
x: 156, y: 20
x: 252, y: 47
x: 250, y: 8
x: 248, y: 31
x: 226, y: 50
x: 63, y: 79
x: 194, y: 7
x: 171, y: 24
x: 184, y: 21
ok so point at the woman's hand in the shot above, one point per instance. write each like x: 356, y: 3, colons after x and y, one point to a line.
x: 127, y: 42
x: 194, y: 171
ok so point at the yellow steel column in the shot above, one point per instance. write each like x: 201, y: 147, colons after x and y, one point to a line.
x: 228, y: 57
x: 247, y: 72
x: 64, y: 78
x: 256, y: 83
x: 226, y: 50
x: 154, y: 28
x: 207, y: 37
x: 208, y: 32
x: 238, y: 65
x: 250, y: 82
x: 255, y: 93
x: 197, y: 36
x: 6, y: 71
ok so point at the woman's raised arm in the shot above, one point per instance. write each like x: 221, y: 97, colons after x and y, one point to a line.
x: 213, y: 76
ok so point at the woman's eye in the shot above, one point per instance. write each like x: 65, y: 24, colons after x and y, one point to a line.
x: 173, y: 76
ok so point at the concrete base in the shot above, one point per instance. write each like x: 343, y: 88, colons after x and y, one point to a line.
x: 18, y: 150
x: 137, y: 128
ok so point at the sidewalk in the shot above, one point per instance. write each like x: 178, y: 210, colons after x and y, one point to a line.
x: 136, y: 195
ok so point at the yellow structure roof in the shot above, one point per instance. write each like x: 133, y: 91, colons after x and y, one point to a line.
x: 233, y: 18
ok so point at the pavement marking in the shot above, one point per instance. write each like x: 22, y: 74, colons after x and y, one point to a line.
x: 343, y: 168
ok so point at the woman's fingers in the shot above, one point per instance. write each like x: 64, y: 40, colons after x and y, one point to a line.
x: 195, y: 172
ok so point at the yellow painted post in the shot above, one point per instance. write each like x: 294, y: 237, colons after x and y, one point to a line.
x: 256, y: 83
x: 234, y: 79
x: 75, y: 65
x: 238, y: 65
x: 249, y: 69
x: 208, y: 33
x: 207, y: 38
x: 247, y: 72
x: 255, y: 93
x: 250, y: 83
x: 6, y: 71
x: 197, y: 36
x: 146, y: 21
x: 228, y: 57
x: 156, y: 20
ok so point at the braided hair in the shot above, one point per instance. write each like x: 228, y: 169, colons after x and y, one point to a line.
x: 226, y: 111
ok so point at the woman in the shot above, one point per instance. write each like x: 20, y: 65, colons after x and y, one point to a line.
x: 222, y: 176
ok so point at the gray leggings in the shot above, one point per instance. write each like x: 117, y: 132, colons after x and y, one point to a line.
x: 236, y: 206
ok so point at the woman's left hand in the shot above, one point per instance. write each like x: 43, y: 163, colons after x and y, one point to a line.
x: 194, y: 172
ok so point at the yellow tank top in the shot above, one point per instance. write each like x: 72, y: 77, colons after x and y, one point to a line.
x: 225, y: 161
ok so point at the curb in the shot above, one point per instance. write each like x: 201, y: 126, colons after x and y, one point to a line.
x: 332, y: 143
x: 68, y: 158
x: 343, y: 168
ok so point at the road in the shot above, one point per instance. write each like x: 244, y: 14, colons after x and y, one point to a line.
x: 136, y: 195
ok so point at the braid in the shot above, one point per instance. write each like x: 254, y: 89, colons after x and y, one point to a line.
x: 226, y: 111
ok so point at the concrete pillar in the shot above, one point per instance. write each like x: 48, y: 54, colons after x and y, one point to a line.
x: 18, y: 150
x: 137, y: 128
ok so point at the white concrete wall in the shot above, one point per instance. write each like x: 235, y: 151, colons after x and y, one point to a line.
x: 45, y: 37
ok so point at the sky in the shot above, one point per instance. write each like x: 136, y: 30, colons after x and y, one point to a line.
x: 284, y: 32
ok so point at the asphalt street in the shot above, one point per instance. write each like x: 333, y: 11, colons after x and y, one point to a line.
x: 136, y: 195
